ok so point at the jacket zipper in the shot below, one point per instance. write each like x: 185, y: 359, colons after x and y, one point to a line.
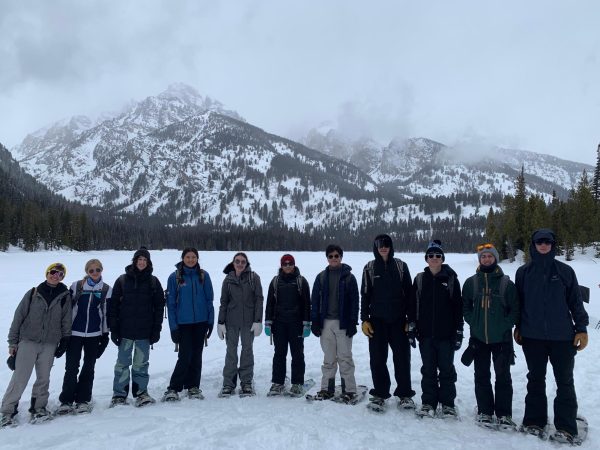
x: 486, y: 307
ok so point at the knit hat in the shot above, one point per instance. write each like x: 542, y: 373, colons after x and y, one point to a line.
x: 435, y: 246
x: 487, y: 248
x: 287, y: 258
x: 544, y: 233
x: 143, y: 251
x: 188, y: 250
x: 56, y: 266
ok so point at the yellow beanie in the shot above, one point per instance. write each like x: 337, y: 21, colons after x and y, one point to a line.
x: 57, y: 266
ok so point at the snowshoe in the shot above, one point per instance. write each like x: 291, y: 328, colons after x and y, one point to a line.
x: 143, y: 399
x: 425, y: 411
x: 170, y: 395
x: 505, y: 423
x: 561, y: 437
x: 64, y: 409
x: 40, y: 415
x: 300, y: 390
x: 83, y: 408
x: 323, y: 394
x: 376, y: 404
x: 195, y: 393
x: 485, y: 421
x: 247, y: 390
x: 8, y: 420
x: 351, y: 398
x: 406, y: 403
x: 534, y: 430
x: 276, y: 390
x: 449, y: 412
x: 118, y: 401
x: 226, y: 392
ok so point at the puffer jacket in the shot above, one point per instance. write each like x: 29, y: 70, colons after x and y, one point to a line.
x: 490, y: 317
x: 285, y: 301
x: 40, y: 321
x: 190, y: 300
x: 241, y: 298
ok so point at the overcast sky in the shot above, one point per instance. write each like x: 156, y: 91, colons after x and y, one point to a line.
x: 523, y: 74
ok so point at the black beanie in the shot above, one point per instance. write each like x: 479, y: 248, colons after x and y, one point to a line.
x: 143, y: 251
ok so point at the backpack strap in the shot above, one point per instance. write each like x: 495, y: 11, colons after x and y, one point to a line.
x: 400, y: 266
x: 501, y: 291
x: 274, y: 283
x: 419, y: 282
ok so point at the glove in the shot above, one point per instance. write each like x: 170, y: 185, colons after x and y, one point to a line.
x: 518, y: 338
x: 305, y: 329
x: 209, y: 331
x: 102, y: 344
x: 155, y: 337
x: 62, y: 347
x: 221, y: 329
x: 268, y: 324
x: 115, y: 338
x: 469, y: 354
x: 581, y: 341
x: 256, y: 328
x: 367, y: 329
x: 411, y: 334
x: 175, y: 336
x: 316, y: 329
x: 351, y: 330
x: 458, y: 338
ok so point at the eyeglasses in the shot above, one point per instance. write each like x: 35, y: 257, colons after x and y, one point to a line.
x: 434, y: 255
x: 482, y: 246
x: 287, y: 264
x: 60, y: 273
x: 241, y: 262
x: 98, y: 270
x: 383, y: 243
x: 333, y: 256
x: 544, y: 241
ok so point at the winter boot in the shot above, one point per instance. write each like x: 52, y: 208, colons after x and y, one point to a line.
x: 40, y: 415
x: 348, y: 397
x: 376, y: 404
x: 64, y: 409
x: 117, y: 401
x: 276, y: 389
x: 83, y: 408
x: 226, y: 391
x: 8, y: 420
x: 449, y: 412
x: 485, y: 421
x: 324, y: 394
x: 425, y: 411
x: 296, y: 390
x: 506, y: 423
x: 247, y: 390
x: 195, y: 393
x: 562, y: 437
x: 143, y: 399
x: 170, y: 395
x: 406, y: 403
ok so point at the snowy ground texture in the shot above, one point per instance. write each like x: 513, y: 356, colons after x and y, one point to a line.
x: 262, y: 422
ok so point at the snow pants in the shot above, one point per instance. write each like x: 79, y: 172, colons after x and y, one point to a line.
x: 284, y: 335
x: 500, y: 355
x: 337, y: 350
x: 437, y: 356
x: 73, y: 389
x: 188, y: 368
x: 245, y: 371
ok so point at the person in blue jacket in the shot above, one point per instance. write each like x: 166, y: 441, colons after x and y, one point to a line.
x: 191, y: 318
x: 552, y: 327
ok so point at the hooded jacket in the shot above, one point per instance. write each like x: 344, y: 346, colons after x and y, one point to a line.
x: 241, y: 298
x: 189, y: 300
x: 387, y: 294
x: 290, y: 304
x: 549, y: 297
x: 347, y: 298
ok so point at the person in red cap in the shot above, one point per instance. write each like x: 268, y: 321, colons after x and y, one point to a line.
x: 287, y: 320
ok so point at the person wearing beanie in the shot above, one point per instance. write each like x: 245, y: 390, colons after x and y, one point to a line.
x: 89, y: 334
x: 436, y: 321
x: 39, y: 332
x: 491, y: 308
x: 385, y: 294
x: 240, y: 319
x: 135, y: 317
x: 191, y: 318
x: 287, y: 321
x: 334, y: 317
x: 552, y: 326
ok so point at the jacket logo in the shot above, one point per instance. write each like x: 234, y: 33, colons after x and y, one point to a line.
x: 445, y: 284
x: 554, y: 278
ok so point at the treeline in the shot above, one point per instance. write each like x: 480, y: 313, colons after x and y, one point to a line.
x: 576, y: 220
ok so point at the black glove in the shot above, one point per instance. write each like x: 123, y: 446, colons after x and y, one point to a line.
x: 155, y: 337
x: 175, y: 336
x: 469, y: 354
x: 209, y: 331
x: 102, y: 344
x: 458, y: 338
x: 351, y: 330
x: 411, y: 334
x: 316, y: 329
x: 114, y: 336
x: 62, y: 347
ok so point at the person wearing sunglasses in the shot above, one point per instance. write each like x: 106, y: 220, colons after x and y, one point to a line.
x: 39, y: 332
x: 287, y: 320
x: 135, y: 315
x: 89, y: 335
x: 334, y: 315
x: 552, y: 327
x: 191, y: 318
x: 436, y: 319
x: 240, y: 319
x: 491, y: 309
x: 385, y: 294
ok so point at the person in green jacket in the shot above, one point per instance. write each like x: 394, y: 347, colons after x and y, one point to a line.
x: 491, y: 308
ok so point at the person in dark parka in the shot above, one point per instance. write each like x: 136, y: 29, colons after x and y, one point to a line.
x: 552, y: 327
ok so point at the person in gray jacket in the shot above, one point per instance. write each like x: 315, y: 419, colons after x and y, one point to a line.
x: 240, y: 317
x: 40, y: 330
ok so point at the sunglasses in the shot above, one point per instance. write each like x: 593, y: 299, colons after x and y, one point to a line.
x: 239, y: 261
x: 434, y: 255
x: 60, y: 273
x: 544, y: 241
x: 483, y: 246
x: 333, y: 256
x: 287, y: 264
x: 94, y: 271
x: 383, y: 243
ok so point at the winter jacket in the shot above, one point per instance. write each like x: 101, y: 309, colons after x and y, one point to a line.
x: 387, y: 294
x: 549, y: 298
x: 190, y: 299
x: 89, y: 308
x: 490, y: 317
x: 436, y: 311
x: 347, y: 298
x: 39, y: 320
x: 285, y: 302
x: 137, y: 305
x: 241, y: 298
